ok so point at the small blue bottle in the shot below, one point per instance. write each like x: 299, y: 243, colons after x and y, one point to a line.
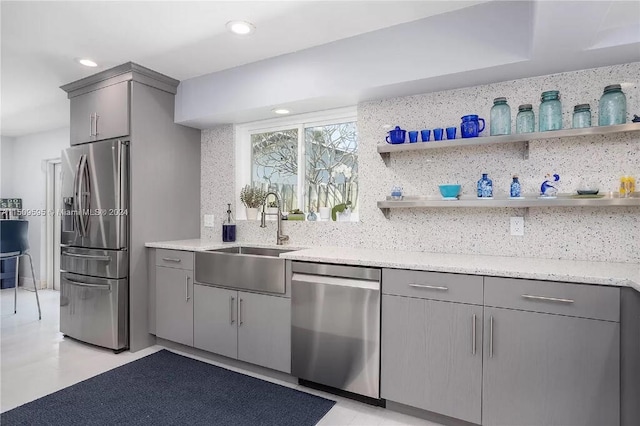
x: 515, y: 191
x: 485, y: 187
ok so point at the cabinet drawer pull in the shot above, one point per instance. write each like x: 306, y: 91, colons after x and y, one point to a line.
x: 473, y: 335
x: 430, y: 287
x: 172, y: 259
x: 547, y: 299
x: 231, y: 300
x: 240, y: 313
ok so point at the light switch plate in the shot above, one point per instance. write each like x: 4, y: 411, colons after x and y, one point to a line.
x: 517, y: 226
x: 208, y: 221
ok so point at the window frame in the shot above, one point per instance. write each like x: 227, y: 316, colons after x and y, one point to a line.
x: 243, y: 152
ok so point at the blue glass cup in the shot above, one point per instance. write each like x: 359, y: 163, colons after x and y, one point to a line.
x: 437, y: 133
x: 451, y: 132
x: 413, y: 136
x: 425, y: 135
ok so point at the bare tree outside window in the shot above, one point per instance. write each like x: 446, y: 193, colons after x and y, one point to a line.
x: 330, y: 168
x: 331, y: 176
x: 275, y: 164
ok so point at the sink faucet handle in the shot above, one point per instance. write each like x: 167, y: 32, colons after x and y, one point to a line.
x: 263, y: 223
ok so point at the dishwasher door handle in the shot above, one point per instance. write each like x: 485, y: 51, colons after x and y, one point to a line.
x: 335, y: 281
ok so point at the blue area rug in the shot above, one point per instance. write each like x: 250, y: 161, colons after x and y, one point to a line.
x: 169, y: 389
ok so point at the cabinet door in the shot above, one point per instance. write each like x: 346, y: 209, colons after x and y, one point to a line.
x: 215, y: 314
x: 174, y: 305
x: 100, y: 114
x: 264, y: 330
x: 543, y: 369
x: 428, y: 358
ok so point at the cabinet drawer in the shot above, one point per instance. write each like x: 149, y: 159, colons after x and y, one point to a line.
x: 174, y: 259
x: 433, y: 285
x: 577, y: 300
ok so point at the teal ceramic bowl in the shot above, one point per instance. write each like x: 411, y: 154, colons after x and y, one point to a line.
x: 449, y: 191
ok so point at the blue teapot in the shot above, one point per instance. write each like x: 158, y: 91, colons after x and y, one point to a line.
x: 396, y: 135
x: 470, y: 126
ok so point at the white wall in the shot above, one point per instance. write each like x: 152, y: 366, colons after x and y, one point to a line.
x: 6, y: 167
x: 30, y: 155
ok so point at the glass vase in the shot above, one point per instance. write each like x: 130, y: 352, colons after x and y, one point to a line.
x: 550, y: 114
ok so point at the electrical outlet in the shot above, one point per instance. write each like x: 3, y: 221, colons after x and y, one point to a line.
x: 208, y: 221
x: 517, y: 226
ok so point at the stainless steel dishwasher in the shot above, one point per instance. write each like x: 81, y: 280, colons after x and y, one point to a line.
x: 335, y: 326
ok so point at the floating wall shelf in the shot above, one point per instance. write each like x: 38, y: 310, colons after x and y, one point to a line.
x: 385, y: 150
x: 530, y: 200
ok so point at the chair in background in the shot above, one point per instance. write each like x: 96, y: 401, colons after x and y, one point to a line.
x: 14, y: 243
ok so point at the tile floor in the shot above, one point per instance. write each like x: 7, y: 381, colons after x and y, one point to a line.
x: 36, y: 360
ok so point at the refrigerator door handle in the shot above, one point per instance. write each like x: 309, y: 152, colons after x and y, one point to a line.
x: 87, y: 193
x: 83, y: 284
x: 81, y: 194
x: 76, y: 203
x: 87, y: 256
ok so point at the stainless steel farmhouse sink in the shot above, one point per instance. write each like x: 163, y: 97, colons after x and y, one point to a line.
x: 245, y: 268
x: 254, y: 251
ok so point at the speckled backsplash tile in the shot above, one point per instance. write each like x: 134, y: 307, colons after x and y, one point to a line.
x: 586, y: 233
x: 217, y: 181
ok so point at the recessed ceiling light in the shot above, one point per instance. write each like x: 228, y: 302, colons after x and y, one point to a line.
x: 240, y: 27
x: 87, y: 63
x: 281, y: 111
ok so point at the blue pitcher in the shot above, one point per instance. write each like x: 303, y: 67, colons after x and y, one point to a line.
x: 470, y: 126
x: 397, y: 135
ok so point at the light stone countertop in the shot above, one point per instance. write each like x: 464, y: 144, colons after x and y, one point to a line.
x: 202, y: 245
x: 603, y: 273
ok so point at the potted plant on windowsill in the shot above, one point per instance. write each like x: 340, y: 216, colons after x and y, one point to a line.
x: 296, y: 215
x: 252, y: 197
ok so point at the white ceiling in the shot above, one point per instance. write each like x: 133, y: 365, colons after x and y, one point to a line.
x: 41, y: 40
x: 333, y: 53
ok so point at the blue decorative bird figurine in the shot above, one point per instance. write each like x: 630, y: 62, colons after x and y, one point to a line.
x: 547, y: 189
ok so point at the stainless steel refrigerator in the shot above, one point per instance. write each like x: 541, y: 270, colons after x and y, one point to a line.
x: 94, y: 259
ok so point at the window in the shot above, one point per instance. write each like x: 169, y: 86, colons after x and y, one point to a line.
x: 311, y: 162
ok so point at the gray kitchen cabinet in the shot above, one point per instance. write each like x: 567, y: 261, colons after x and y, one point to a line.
x: 264, y: 330
x: 432, y: 355
x: 251, y: 327
x: 100, y: 114
x: 546, y: 369
x: 215, y: 314
x: 174, y: 305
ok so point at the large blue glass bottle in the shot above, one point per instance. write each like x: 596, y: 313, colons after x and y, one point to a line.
x: 550, y: 116
x: 485, y: 187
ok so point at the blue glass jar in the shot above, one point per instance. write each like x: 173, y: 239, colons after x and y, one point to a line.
x: 526, y: 119
x: 485, y: 187
x: 550, y: 115
x: 515, y: 190
x: 612, y: 108
x: 500, y: 117
x: 581, y: 116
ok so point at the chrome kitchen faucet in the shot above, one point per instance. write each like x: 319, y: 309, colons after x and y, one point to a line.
x: 263, y: 224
